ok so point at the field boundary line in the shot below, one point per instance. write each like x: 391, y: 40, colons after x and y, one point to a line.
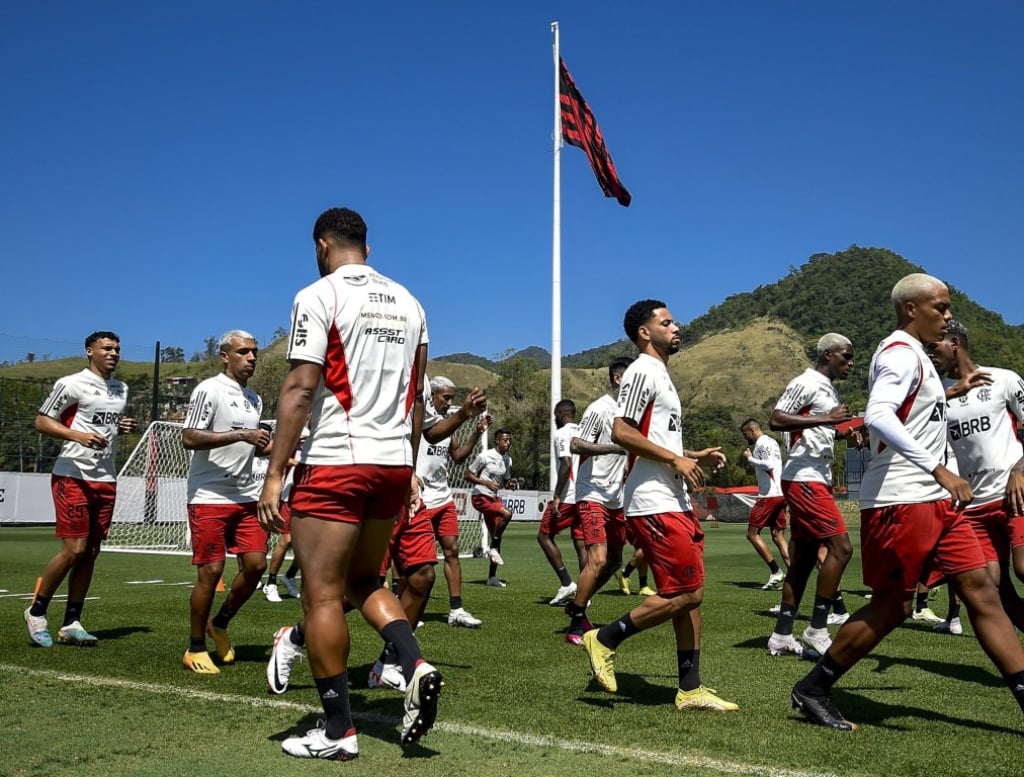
x: 460, y: 729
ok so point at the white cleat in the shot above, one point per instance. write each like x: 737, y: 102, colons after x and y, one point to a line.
x: 461, y: 617
x: 949, y: 627
x: 270, y: 591
x: 838, y: 618
x: 283, y: 656
x: 421, y: 703
x: 495, y: 557
x: 775, y: 609
x: 386, y: 676
x: 926, y: 615
x: 774, y: 581
x: 779, y: 644
x: 316, y: 744
x: 563, y: 595
x: 816, y: 639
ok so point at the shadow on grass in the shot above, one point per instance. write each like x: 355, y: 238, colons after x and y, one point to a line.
x: 633, y: 689
x: 962, y: 672
x: 748, y: 584
x: 124, y: 631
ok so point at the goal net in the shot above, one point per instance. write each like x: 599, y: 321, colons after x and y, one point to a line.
x: 150, y: 513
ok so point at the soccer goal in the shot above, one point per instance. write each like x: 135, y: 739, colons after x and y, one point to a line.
x: 150, y: 514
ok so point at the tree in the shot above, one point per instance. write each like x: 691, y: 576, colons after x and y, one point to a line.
x: 519, y: 402
x: 172, y: 355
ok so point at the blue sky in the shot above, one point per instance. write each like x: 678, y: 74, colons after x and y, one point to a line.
x: 163, y: 164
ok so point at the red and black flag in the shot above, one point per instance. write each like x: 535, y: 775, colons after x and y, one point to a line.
x: 579, y: 128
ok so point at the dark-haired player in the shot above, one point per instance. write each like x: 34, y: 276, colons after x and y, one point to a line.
x: 491, y: 471
x: 769, y: 508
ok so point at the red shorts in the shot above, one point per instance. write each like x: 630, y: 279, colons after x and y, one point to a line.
x: 222, y: 528
x: 996, y: 529
x: 412, y: 543
x: 903, y: 544
x: 768, y: 511
x: 813, y: 510
x: 350, y: 493
x: 568, y: 516
x: 83, y: 507
x: 286, y: 519
x: 602, y: 525
x: 490, y: 507
x: 673, y: 545
x: 444, y: 519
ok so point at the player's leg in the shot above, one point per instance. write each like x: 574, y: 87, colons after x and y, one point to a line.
x: 803, y: 557
x: 499, y: 519
x: 277, y: 555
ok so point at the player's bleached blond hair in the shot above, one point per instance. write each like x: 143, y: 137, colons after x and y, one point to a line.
x: 914, y: 287
x: 833, y: 341
x: 440, y: 383
x: 225, y: 339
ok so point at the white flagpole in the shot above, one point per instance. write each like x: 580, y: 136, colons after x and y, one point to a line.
x: 556, y: 266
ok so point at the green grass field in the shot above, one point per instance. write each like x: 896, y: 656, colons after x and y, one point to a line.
x: 518, y: 700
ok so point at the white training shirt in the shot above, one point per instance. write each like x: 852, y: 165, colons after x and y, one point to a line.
x: 562, y: 444
x: 982, y: 435
x: 810, y: 450
x: 224, y: 475
x: 599, y: 478
x: 906, y: 418
x: 491, y: 465
x: 648, y: 397
x: 86, y: 402
x: 364, y: 329
x: 766, y: 459
x: 432, y: 462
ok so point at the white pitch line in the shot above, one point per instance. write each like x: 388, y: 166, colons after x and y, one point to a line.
x: 498, y: 735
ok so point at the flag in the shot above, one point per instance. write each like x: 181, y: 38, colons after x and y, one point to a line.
x: 579, y: 128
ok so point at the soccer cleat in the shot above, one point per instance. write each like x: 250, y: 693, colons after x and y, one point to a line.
x: 74, y: 634
x: 602, y: 661
x: 386, y: 676
x: 496, y: 583
x: 623, y: 582
x: 779, y: 644
x: 774, y: 581
x: 200, y: 663
x: 316, y: 744
x: 461, y: 617
x: 421, y: 703
x: 270, y: 591
x: 949, y: 627
x: 495, y: 557
x: 647, y: 591
x: 292, y: 586
x: 574, y: 638
x: 703, y: 699
x: 817, y: 639
x: 283, y: 656
x: 926, y: 615
x: 838, y: 618
x: 563, y: 595
x: 820, y: 710
x: 221, y: 643
x: 775, y: 609
x: 38, y: 630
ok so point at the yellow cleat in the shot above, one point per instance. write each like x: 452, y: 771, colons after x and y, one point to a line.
x: 221, y: 644
x: 602, y: 661
x: 647, y: 591
x: 703, y: 699
x: 200, y: 663
x: 623, y: 582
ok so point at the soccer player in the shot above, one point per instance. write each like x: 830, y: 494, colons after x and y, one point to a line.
x: 284, y: 541
x: 86, y: 412
x: 911, y: 509
x: 357, y: 350
x: 561, y: 513
x: 984, y: 404
x: 436, y: 451
x: 222, y: 429
x: 770, y: 506
x: 648, y: 424
x: 809, y: 411
x: 490, y: 471
x: 598, y: 500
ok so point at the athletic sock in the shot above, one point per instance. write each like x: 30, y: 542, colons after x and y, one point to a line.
x: 293, y: 570
x: 921, y: 601
x: 825, y: 674
x: 616, y: 632
x: 563, y: 576
x: 688, y: 662
x: 399, y: 633
x: 578, y: 622
x: 954, y: 609
x: 271, y: 579
x: 642, y: 579
x: 1016, y: 683
x: 297, y: 636
x: 784, y: 621
x: 73, y: 612
x: 628, y: 569
x: 838, y: 605
x: 197, y: 644
x: 773, y: 566
x: 492, y: 570
x: 333, y: 693
x: 223, y: 617
x: 39, y: 605
x: 819, y: 615
x: 455, y: 602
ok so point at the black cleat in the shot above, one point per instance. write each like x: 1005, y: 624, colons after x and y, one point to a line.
x: 820, y: 710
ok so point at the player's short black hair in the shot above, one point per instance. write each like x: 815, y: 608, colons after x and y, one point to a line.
x: 619, y: 364
x: 565, y: 404
x: 639, y: 313
x: 955, y: 329
x: 750, y: 421
x: 341, y: 225
x: 502, y: 431
x: 101, y: 335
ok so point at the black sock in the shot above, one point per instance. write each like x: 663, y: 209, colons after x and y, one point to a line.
x: 784, y: 621
x: 819, y: 615
x: 628, y: 569
x: 954, y: 609
x: 297, y: 636
x: 39, y: 605
x: 616, y: 632
x: 293, y: 570
x: 773, y: 566
x: 333, y: 693
x: 389, y: 655
x: 223, y: 617
x: 399, y: 633
x: 73, y: 612
x: 271, y: 579
x: 642, y: 579
x: 455, y: 602
x: 838, y: 605
x: 824, y: 675
x: 197, y: 644
x: 689, y: 669
x: 1016, y: 683
x: 492, y: 570
x: 577, y: 617
x: 563, y: 576
x: 921, y: 602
